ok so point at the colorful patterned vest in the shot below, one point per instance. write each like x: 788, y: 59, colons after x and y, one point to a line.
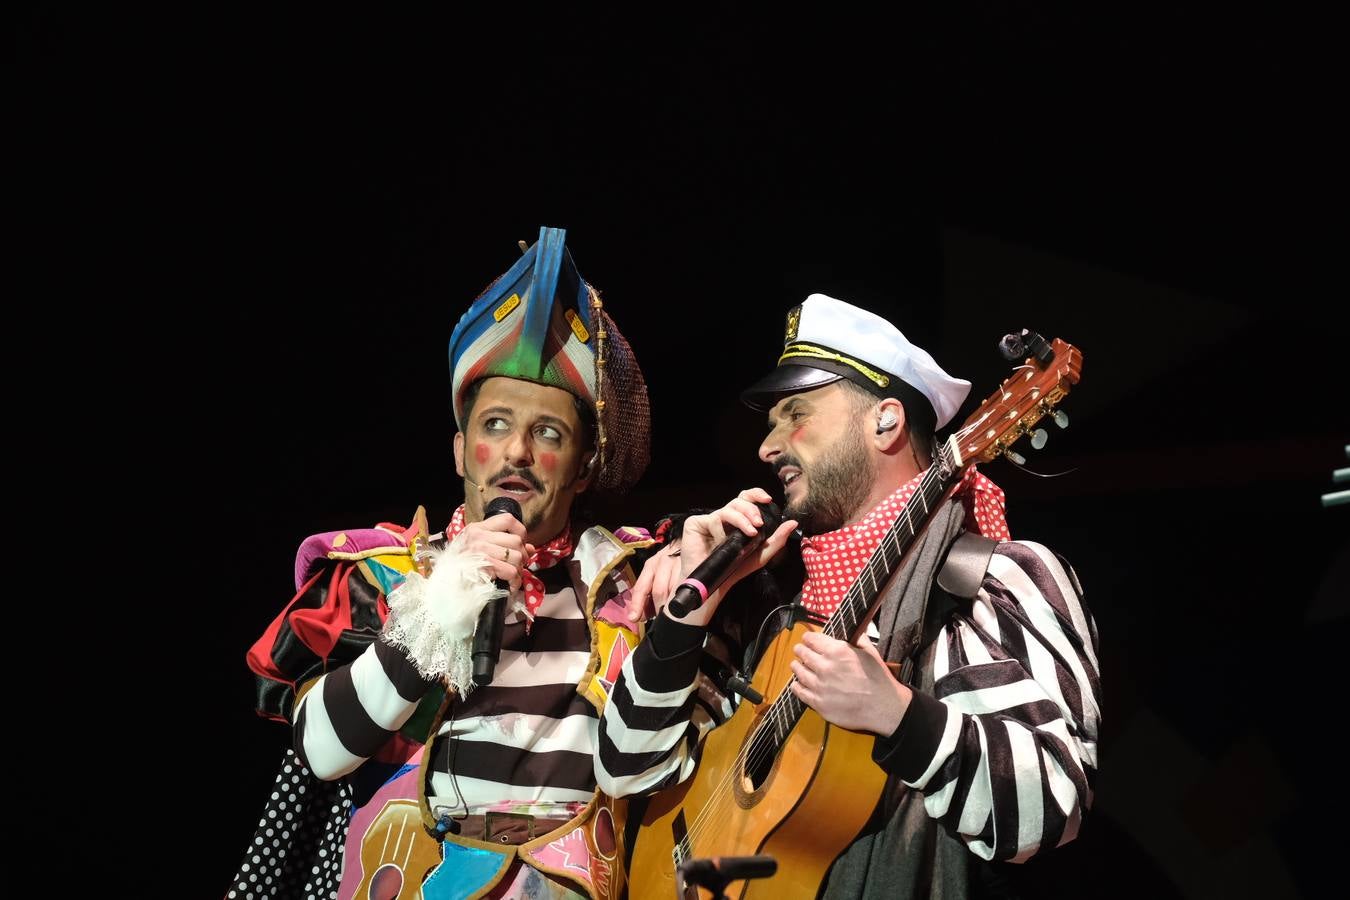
x: 395, y: 846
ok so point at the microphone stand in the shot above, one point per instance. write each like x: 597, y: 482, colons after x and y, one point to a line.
x: 715, y: 873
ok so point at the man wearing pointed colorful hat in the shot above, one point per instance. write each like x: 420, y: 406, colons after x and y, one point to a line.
x: 963, y: 721
x: 410, y: 766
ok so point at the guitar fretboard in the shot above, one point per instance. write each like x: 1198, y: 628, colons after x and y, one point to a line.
x: 854, y: 611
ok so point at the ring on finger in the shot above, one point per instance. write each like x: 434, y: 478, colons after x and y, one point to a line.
x: 506, y: 553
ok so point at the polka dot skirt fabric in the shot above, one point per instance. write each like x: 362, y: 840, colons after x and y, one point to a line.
x: 297, y: 849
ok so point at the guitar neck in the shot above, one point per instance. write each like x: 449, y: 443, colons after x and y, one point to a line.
x: 860, y: 602
x: 850, y: 618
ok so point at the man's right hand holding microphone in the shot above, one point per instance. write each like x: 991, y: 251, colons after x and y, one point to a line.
x: 670, y: 567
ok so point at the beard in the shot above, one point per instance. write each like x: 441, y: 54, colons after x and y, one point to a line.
x: 837, y: 485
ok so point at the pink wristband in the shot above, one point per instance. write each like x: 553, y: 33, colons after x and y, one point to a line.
x: 696, y: 585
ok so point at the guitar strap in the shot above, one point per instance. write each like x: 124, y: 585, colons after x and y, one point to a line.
x: 915, y: 603
x: 959, y: 579
x: 907, y: 612
x: 967, y: 561
x: 942, y: 574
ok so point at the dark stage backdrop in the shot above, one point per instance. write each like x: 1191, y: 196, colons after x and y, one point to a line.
x: 256, y: 230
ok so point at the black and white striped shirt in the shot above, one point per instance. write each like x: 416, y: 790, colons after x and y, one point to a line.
x: 528, y: 738
x: 1003, y: 749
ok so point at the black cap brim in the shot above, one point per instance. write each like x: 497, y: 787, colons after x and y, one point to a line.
x: 788, y: 378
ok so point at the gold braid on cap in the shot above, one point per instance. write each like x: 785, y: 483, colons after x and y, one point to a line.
x: 813, y: 352
x: 600, y: 336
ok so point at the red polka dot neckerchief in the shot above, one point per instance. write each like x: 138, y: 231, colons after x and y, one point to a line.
x: 835, y: 559
x: 550, y: 554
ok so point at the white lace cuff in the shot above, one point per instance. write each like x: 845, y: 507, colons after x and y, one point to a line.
x: 432, y: 619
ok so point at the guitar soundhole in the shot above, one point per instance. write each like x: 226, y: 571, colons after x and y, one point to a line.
x: 386, y: 883
x: 759, y: 765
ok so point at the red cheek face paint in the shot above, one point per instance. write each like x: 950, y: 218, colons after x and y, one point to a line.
x: 548, y: 461
x: 796, y: 434
x: 480, y: 453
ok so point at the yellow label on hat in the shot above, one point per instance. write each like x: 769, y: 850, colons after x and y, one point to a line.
x: 577, y: 328
x: 505, y: 309
x: 794, y: 318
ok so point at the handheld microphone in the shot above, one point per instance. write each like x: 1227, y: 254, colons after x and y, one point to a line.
x: 709, y: 574
x: 487, y: 637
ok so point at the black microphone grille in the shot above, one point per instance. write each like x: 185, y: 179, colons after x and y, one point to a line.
x: 772, y: 515
x: 503, y: 505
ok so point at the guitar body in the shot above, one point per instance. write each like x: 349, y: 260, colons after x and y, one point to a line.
x: 776, y: 779
x: 803, y: 806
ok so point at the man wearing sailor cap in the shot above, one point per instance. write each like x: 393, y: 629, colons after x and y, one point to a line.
x: 977, y: 683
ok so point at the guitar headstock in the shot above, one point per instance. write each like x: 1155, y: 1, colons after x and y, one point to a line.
x: 1033, y: 391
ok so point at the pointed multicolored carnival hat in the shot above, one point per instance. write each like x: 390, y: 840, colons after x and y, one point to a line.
x: 541, y: 322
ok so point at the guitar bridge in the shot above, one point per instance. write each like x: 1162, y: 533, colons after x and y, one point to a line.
x: 680, y: 832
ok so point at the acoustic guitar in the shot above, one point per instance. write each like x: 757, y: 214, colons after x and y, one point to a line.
x: 776, y: 779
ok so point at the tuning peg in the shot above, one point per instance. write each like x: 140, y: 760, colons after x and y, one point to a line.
x: 1061, y: 418
x: 1012, y: 348
x: 1038, y: 438
x: 1015, y: 457
x: 1017, y: 344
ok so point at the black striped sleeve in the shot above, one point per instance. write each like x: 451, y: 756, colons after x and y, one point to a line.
x: 1005, y: 747
x: 657, y: 713
x: 353, y: 710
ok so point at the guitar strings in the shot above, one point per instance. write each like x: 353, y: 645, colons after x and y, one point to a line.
x: 775, y: 728
x: 760, y: 743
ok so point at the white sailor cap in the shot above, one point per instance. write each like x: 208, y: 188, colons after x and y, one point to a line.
x: 828, y: 339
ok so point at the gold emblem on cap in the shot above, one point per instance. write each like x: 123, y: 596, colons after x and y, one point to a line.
x: 577, y: 328
x: 507, y: 305
x: 794, y: 319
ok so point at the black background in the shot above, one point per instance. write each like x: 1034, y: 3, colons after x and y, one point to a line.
x: 253, y: 231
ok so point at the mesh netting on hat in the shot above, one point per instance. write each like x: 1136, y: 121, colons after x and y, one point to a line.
x: 623, y: 411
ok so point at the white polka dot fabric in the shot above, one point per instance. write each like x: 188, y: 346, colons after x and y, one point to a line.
x: 834, y: 560
x: 297, y: 849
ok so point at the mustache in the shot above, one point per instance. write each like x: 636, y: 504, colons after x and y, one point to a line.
x: 782, y: 462
x: 524, y: 475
